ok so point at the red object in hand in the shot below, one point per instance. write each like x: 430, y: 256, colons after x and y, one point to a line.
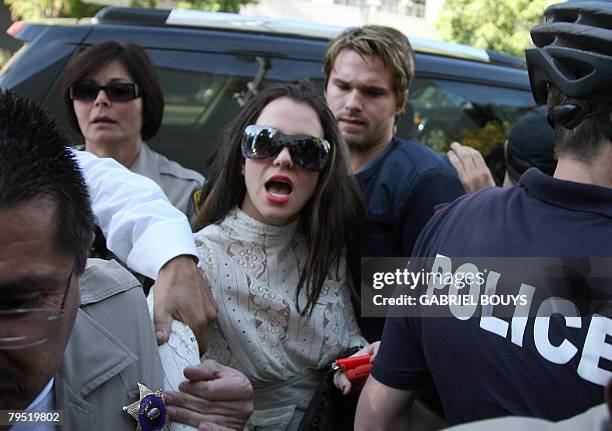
x: 359, y: 373
x: 356, y: 368
x: 351, y: 362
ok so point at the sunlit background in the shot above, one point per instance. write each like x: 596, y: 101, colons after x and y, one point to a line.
x: 494, y: 24
x: 440, y: 111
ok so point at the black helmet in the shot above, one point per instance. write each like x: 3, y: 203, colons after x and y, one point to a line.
x: 574, y: 54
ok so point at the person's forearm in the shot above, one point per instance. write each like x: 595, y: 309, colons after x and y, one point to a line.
x: 374, y: 422
x: 140, y: 225
x: 382, y: 408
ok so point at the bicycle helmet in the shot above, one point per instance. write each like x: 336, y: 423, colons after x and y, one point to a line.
x: 574, y: 54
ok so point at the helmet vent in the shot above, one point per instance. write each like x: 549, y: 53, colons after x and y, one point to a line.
x: 544, y: 39
x: 562, y: 15
x: 573, y: 69
x: 584, y: 42
x: 602, y: 21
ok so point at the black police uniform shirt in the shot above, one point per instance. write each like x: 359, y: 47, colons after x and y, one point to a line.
x: 553, y: 369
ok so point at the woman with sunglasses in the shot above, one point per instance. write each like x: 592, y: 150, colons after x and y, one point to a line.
x: 278, y: 213
x: 113, y: 98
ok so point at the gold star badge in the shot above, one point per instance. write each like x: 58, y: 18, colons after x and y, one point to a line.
x: 149, y: 410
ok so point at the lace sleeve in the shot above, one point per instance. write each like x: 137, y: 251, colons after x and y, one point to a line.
x: 217, y: 347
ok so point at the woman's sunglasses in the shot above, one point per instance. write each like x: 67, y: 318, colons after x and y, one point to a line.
x: 88, y: 91
x: 262, y: 142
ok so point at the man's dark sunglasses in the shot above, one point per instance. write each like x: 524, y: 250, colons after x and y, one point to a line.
x: 88, y: 91
x: 262, y: 142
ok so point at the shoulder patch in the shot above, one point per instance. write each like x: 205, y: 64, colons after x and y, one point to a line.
x: 197, y: 196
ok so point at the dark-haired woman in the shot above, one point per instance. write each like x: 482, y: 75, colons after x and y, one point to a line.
x: 278, y: 214
x: 113, y: 98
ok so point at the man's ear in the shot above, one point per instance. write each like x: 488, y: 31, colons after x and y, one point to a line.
x: 400, y: 106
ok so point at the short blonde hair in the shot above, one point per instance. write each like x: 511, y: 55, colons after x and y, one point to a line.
x: 386, y: 43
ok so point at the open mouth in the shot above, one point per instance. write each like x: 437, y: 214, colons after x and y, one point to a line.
x: 279, y: 189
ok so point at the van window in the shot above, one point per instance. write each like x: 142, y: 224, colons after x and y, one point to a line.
x: 204, y: 92
x: 442, y: 111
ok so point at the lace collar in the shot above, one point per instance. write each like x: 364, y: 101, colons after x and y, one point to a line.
x: 247, y: 228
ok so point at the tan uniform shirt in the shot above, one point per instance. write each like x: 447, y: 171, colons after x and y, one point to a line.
x: 111, y: 349
x: 178, y: 183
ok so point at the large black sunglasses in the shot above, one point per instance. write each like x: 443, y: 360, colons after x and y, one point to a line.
x: 119, y: 92
x: 262, y: 142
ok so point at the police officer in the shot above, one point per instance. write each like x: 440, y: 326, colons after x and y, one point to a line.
x: 113, y: 98
x: 481, y: 371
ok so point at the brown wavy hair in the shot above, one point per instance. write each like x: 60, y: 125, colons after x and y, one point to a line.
x: 329, y: 219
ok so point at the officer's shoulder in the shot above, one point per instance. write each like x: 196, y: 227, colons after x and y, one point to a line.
x: 166, y: 166
x: 103, y: 279
x: 483, y: 204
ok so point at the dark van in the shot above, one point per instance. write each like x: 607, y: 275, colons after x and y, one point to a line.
x: 209, y: 63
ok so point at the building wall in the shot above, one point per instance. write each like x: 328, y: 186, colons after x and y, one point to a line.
x: 327, y: 12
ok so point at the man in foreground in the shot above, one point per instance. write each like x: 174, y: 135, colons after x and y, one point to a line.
x: 78, y: 348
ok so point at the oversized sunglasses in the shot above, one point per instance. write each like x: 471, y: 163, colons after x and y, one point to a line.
x: 262, y: 142
x: 119, y: 92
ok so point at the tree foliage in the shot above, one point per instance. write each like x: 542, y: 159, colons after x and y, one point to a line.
x: 4, y: 57
x: 37, y: 9
x: 502, y: 25
x: 215, y: 5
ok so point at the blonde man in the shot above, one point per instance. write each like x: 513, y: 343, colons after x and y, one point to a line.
x: 368, y: 71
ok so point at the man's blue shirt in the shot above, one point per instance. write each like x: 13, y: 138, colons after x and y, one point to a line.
x: 404, y: 186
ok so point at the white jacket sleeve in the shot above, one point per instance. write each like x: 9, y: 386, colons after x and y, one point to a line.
x: 141, y: 226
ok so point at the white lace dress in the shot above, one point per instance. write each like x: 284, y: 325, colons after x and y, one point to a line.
x: 253, y: 271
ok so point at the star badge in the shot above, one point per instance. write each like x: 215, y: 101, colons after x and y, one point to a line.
x: 149, y: 410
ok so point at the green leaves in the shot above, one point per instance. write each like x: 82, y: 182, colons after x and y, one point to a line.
x: 40, y: 9
x: 502, y: 25
x: 214, y: 5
